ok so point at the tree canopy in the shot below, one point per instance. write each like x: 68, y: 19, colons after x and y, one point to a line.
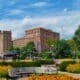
x: 28, y: 50
x: 76, y: 37
x: 11, y: 48
x: 63, y: 49
x: 60, y: 48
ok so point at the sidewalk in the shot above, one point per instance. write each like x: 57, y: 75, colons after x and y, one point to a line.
x: 70, y: 74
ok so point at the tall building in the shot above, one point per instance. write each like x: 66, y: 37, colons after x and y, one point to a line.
x: 5, y: 41
x: 38, y: 36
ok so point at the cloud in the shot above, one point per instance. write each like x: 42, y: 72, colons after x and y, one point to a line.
x: 65, y: 25
x: 65, y: 10
x: 18, y: 27
x: 12, y: 3
x: 76, y: 4
x: 15, y: 12
x: 13, y: 25
x: 39, y: 4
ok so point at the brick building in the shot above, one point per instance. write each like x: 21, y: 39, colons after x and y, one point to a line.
x: 38, y: 36
x: 5, y: 40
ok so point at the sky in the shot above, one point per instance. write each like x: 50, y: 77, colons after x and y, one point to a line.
x: 61, y: 16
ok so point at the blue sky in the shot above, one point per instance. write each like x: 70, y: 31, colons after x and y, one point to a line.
x: 62, y: 16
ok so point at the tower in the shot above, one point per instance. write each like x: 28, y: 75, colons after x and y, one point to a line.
x: 5, y: 41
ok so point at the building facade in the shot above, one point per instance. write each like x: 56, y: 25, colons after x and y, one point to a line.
x: 5, y: 41
x: 38, y: 36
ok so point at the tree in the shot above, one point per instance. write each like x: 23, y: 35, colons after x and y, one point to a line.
x: 46, y: 55
x: 63, y: 49
x: 59, y: 48
x: 49, y: 42
x: 23, y: 53
x: 17, y: 50
x: 52, y: 44
x: 76, y: 37
x: 11, y: 48
x: 28, y: 50
x: 73, y: 46
x: 31, y: 48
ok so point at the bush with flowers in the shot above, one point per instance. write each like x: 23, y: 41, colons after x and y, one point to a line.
x: 74, y: 68
x: 64, y: 64
x: 4, y: 70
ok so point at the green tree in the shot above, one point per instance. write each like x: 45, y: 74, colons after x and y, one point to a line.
x: 17, y: 50
x: 76, y: 37
x: 23, y: 53
x: 11, y: 48
x: 28, y: 50
x: 52, y: 45
x: 49, y: 43
x: 46, y: 55
x: 31, y: 48
x: 63, y: 49
x: 59, y: 48
x: 74, y: 47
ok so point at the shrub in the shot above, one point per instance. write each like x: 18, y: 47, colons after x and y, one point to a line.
x: 64, y: 64
x: 43, y: 62
x: 4, y: 70
x: 74, y: 68
x: 26, y: 64
x: 19, y: 64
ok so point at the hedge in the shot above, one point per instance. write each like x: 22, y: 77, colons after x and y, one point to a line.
x: 44, y: 62
x: 26, y: 64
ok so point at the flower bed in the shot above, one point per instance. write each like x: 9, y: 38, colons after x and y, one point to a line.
x: 50, y: 77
